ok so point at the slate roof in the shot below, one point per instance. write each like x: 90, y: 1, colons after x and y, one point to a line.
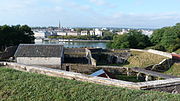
x: 97, y: 73
x: 34, y: 50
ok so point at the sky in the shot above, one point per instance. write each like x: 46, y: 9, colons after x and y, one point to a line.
x: 91, y: 13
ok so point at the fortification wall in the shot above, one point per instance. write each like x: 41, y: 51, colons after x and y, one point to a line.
x: 160, y: 53
x: 75, y: 55
x: 165, y: 54
x: 9, y: 52
x: 92, y: 61
x: 164, y: 65
x: 86, y: 78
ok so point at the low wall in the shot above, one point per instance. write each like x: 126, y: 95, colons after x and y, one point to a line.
x: 164, y: 65
x: 160, y: 53
x: 140, y: 50
x: 9, y: 52
x: 70, y: 75
x: 165, y: 54
x: 87, y: 78
x: 91, y: 59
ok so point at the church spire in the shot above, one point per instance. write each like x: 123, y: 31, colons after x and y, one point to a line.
x: 59, y: 25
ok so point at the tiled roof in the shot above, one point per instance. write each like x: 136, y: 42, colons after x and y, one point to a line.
x: 34, y: 50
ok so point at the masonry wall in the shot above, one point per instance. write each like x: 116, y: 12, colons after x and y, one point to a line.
x: 160, y: 53
x: 163, y: 66
x: 39, y: 60
x: 87, y: 78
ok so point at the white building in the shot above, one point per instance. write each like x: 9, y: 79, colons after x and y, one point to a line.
x: 61, y: 33
x: 33, y: 54
x: 39, y: 34
x: 84, y: 32
x: 147, y: 32
x: 72, y: 33
x: 98, y: 32
x: 123, y: 32
x: 92, y: 32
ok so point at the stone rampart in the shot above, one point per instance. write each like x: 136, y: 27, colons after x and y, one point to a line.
x: 164, y: 65
x: 160, y: 53
x: 92, y: 61
x: 165, y: 54
x: 9, y: 52
x: 87, y: 78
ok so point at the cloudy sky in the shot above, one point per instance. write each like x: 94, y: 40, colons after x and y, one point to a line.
x: 91, y: 13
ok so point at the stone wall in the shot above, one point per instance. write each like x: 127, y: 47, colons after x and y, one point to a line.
x: 165, y: 54
x: 160, y: 53
x: 92, y: 61
x: 89, y: 69
x: 9, y: 52
x: 39, y: 60
x: 75, y: 55
x: 163, y: 66
x: 98, y: 80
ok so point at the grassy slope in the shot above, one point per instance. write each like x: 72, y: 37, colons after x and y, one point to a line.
x: 174, y: 70
x: 177, y: 51
x: 143, y: 59
x: 19, y: 86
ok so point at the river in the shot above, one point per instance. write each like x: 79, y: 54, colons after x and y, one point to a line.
x: 76, y: 44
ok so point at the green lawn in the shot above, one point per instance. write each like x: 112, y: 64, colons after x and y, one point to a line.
x: 23, y: 86
x: 143, y: 59
x: 174, y: 70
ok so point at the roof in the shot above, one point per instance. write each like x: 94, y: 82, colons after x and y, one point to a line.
x: 34, y: 50
x: 97, y: 73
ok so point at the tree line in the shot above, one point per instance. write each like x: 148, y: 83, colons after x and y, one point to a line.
x: 14, y: 35
x: 164, y: 39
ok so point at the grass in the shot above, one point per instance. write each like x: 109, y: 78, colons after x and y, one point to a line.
x: 174, y: 70
x: 128, y: 78
x: 177, y: 51
x: 23, y: 86
x: 143, y: 59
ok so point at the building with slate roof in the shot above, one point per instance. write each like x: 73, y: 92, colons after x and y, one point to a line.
x: 33, y: 54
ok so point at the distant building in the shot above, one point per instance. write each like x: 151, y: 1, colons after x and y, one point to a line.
x: 92, y: 32
x: 123, y: 32
x: 39, y: 34
x: 72, y: 33
x: 147, y: 32
x: 61, y: 33
x: 32, y: 54
x: 98, y: 32
x: 84, y: 32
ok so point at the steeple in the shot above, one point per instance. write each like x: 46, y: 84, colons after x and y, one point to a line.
x: 59, y: 25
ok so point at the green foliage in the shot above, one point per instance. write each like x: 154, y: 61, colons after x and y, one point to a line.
x: 23, y: 86
x: 108, y: 35
x: 174, y: 70
x: 132, y: 39
x: 177, y: 51
x: 168, y: 38
x: 14, y: 35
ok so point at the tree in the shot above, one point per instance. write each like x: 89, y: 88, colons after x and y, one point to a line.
x: 107, y: 35
x: 14, y: 35
x: 168, y: 38
x: 132, y: 39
